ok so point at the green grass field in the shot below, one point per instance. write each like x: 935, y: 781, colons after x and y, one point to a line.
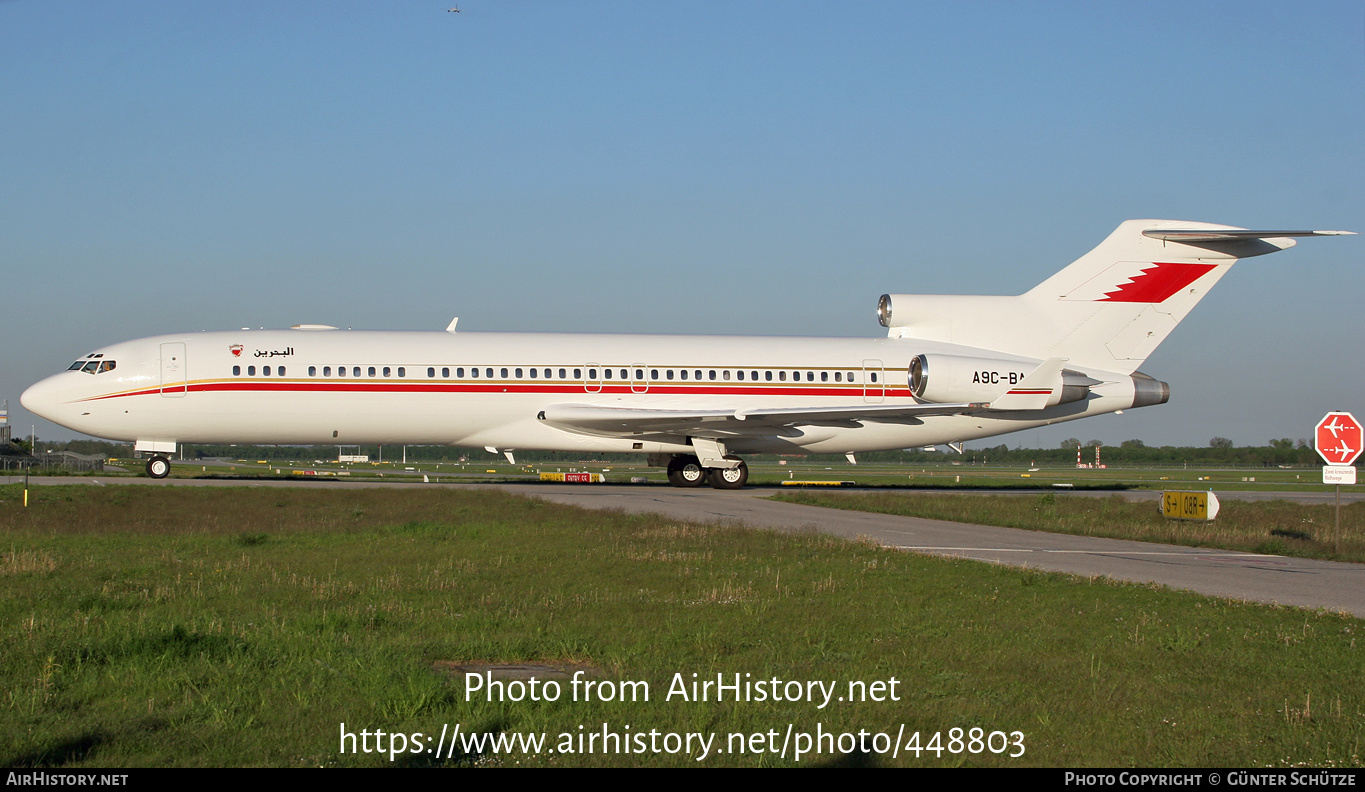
x: 223, y: 627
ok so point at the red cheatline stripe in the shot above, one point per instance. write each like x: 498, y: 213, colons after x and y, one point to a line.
x: 566, y: 388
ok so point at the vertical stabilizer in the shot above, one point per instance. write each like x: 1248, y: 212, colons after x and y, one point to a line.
x: 1109, y: 309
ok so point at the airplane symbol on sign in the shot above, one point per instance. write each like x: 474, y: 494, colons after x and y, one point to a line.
x: 1333, y: 427
x: 1343, y: 449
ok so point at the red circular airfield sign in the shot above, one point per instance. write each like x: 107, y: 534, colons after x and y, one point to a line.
x: 1339, y: 438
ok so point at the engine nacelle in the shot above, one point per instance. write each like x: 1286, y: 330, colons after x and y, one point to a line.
x: 955, y: 379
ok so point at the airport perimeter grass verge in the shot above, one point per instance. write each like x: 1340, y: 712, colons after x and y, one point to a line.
x: 1270, y: 527
x: 148, y: 626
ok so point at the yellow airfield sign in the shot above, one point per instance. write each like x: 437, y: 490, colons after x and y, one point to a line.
x: 1176, y: 505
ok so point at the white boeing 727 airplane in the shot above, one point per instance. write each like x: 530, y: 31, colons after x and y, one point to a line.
x: 952, y: 368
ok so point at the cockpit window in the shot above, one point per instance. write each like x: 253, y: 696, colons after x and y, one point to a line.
x: 93, y: 366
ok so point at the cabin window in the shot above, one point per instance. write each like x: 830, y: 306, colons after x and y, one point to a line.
x: 725, y: 375
x: 654, y: 374
x: 547, y: 373
x: 387, y: 370
x: 341, y: 371
x: 312, y: 371
x: 488, y: 372
x: 768, y: 375
x: 533, y: 373
x: 459, y: 372
x: 518, y: 372
x: 402, y: 371
x: 371, y: 371
x: 236, y: 371
x: 577, y: 374
x: 782, y: 376
x: 445, y: 373
x: 474, y: 373
x: 824, y: 376
x: 503, y: 373
x: 669, y: 373
x: 280, y: 371
x: 326, y: 371
x: 431, y: 372
x: 251, y: 371
x: 683, y: 373
x: 874, y: 376
x: 697, y: 374
x: 850, y: 376
x: 265, y: 371
x: 356, y: 371
x: 592, y: 373
x: 606, y: 373
x: 625, y: 374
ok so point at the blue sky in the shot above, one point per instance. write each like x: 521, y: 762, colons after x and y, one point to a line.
x: 750, y: 168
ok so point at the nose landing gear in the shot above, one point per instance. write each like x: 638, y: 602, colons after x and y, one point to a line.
x: 158, y: 467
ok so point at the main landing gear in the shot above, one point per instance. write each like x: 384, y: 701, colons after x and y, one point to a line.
x: 158, y: 467
x: 685, y: 470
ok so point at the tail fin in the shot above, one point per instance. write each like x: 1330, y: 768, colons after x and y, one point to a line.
x: 1109, y: 309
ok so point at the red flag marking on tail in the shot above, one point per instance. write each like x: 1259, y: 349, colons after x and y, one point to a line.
x: 1157, y: 282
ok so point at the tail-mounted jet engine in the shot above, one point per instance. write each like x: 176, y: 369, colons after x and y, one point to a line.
x: 955, y: 379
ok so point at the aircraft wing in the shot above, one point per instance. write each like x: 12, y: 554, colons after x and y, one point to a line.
x: 627, y: 421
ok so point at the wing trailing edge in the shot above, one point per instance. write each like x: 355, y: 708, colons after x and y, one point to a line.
x: 626, y: 421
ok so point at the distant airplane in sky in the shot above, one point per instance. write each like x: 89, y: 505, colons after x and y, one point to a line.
x: 951, y: 368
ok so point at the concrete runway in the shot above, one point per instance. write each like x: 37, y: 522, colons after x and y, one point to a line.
x: 1299, y: 582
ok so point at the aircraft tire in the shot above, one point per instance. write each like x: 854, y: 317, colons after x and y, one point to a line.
x: 158, y: 467
x: 734, y: 478
x: 686, y: 471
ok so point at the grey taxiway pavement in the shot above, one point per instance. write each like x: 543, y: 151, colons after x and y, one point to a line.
x: 1283, y: 580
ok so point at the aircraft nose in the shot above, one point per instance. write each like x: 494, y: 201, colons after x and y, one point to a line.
x: 41, y: 399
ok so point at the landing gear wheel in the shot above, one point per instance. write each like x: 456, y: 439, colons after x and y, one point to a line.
x: 158, y: 467
x: 733, y: 478
x: 686, y: 471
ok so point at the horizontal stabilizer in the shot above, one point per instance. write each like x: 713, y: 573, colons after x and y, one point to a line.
x: 1206, y: 235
